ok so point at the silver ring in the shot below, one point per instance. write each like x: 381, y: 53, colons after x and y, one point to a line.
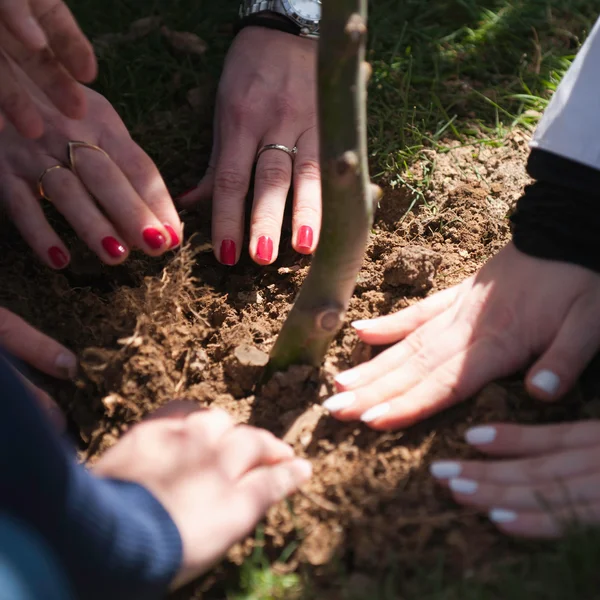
x: 291, y: 152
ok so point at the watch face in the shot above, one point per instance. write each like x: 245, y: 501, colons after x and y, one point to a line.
x: 309, y: 10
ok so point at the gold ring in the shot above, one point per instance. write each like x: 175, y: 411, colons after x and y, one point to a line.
x: 40, y: 181
x: 71, y: 151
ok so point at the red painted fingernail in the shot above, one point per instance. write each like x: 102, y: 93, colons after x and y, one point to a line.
x: 153, y: 237
x: 305, y: 238
x: 58, y: 257
x: 264, y: 248
x: 184, y: 194
x: 173, y: 234
x: 113, y: 247
x: 228, y: 252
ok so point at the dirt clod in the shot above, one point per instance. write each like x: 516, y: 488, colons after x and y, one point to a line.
x: 413, y: 266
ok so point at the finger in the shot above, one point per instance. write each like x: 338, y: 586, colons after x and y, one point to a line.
x: 26, y: 213
x: 204, y: 190
x: 529, y: 496
x: 498, y: 439
x: 36, y: 349
x: 573, y: 347
x: 271, y: 186
x: 245, y: 448
x: 16, y: 15
x: 232, y: 178
x: 67, y: 41
x: 264, y: 486
x: 16, y: 103
x: 306, y: 220
x: 420, y: 341
x: 143, y: 175
x: 126, y: 210
x: 49, y: 75
x: 548, y: 467
x: 394, y: 327
x: 445, y: 385
x: 208, y: 427
x: 395, y: 371
x: 545, y: 523
x: 66, y: 192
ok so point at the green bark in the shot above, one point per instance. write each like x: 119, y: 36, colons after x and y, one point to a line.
x: 347, y: 195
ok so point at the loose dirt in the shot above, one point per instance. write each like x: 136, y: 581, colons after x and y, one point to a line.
x: 184, y: 326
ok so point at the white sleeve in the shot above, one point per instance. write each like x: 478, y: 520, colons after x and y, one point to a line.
x: 570, y: 126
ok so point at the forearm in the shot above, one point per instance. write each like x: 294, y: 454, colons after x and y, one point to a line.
x: 113, y: 539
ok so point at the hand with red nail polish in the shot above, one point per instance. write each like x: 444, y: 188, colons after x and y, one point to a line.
x: 267, y: 95
x: 42, y: 38
x: 39, y: 351
x: 114, y: 197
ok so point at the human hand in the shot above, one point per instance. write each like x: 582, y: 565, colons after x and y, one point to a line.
x: 454, y: 342
x: 114, y: 199
x: 215, y: 479
x: 267, y: 95
x: 39, y: 351
x: 42, y: 38
x: 550, y: 477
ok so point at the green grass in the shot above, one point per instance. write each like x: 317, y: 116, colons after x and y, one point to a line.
x: 465, y: 70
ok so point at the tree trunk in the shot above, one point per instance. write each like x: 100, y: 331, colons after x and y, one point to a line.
x: 348, y: 196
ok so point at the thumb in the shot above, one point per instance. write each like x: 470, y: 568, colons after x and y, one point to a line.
x: 573, y: 347
x: 38, y: 350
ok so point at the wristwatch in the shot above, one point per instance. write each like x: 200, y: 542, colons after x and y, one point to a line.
x: 301, y: 16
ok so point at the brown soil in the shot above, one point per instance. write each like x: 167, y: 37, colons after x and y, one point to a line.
x: 185, y: 326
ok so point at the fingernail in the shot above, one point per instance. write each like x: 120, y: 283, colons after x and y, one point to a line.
x: 186, y: 193
x: 227, y: 253
x: 303, y: 468
x: 463, y: 486
x: 502, y: 515
x: 360, y: 325
x: 483, y: 434
x: 347, y: 377
x: 173, y: 235
x: 546, y: 381
x: 67, y: 363
x: 445, y: 469
x: 375, y: 412
x: 113, y: 247
x: 264, y: 248
x: 153, y: 237
x: 58, y: 257
x: 305, y: 238
x: 35, y: 33
x: 339, y: 401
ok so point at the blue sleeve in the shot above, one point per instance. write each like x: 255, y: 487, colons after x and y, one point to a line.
x: 113, y: 538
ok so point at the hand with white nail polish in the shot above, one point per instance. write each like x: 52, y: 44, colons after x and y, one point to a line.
x: 543, y: 478
x: 39, y: 351
x: 516, y: 310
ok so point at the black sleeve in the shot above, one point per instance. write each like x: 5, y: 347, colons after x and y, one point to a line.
x: 558, y: 216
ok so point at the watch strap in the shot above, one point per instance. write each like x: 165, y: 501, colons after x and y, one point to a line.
x: 262, y: 20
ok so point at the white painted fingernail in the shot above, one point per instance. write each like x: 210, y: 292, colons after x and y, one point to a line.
x: 375, y: 412
x: 347, y: 377
x: 546, y: 381
x: 340, y: 401
x: 361, y: 325
x: 502, y: 515
x: 484, y: 434
x: 445, y: 469
x: 68, y: 363
x: 463, y: 486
